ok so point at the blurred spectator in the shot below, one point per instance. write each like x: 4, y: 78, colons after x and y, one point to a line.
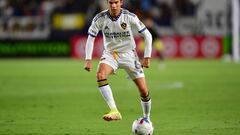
x: 95, y: 7
x: 160, y: 10
x: 157, y: 44
x: 73, y: 6
x: 47, y: 7
x: 165, y: 16
x: 185, y: 7
x: 134, y: 6
x: 146, y: 5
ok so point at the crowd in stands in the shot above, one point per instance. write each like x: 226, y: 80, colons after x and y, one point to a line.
x: 162, y: 12
x: 41, y: 7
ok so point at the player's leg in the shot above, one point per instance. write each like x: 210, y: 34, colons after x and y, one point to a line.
x: 103, y: 72
x: 133, y: 67
x: 145, y: 96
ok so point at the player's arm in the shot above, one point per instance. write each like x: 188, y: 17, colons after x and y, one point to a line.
x: 144, y: 32
x: 147, y: 48
x: 88, y: 52
x: 92, y: 33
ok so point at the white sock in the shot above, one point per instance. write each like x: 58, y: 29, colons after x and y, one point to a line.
x: 106, y: 92
x: 146, y: 107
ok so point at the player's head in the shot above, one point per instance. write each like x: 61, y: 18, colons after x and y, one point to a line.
x: 114, y: 7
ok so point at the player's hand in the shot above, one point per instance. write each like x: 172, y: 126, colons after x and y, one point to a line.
x: 146, y: 62
x: 88, y: 65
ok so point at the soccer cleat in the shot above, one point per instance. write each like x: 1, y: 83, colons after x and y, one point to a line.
x: 114, y: 114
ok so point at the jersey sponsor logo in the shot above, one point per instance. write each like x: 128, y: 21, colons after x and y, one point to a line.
x: 117, y: 34
x: 124, y: 25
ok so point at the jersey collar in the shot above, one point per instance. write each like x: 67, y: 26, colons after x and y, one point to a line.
x: 115, y: 18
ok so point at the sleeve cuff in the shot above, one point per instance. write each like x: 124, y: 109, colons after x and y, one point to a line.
x: 92, y: 35
x: 142, y: 30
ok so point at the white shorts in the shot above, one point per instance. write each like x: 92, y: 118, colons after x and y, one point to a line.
x: 128, y: 61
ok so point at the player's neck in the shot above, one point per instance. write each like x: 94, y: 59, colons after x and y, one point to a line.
x: 115, y: 15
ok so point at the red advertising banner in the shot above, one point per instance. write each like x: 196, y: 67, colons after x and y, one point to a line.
x: 170, y: 46
x: 193, y: 47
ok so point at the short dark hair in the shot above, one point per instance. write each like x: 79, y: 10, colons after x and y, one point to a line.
x: 120, y: 0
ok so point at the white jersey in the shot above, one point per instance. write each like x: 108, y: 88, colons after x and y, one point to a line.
x: 117, y: 32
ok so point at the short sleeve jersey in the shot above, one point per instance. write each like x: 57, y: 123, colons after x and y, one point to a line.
x: 117, y: 32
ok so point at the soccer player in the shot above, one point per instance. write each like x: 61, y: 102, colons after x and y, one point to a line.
x: 117, y: 25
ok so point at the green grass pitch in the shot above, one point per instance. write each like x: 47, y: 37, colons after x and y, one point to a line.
x: 56, y: 96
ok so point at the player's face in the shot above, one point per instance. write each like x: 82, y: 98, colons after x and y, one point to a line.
x: 114, y: 7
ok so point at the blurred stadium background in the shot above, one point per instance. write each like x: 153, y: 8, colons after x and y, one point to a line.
x: 188, y: 28
x: 197, y: 93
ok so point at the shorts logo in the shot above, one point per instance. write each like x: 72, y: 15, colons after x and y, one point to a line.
x: 137, y: 65
x: 124, y: 25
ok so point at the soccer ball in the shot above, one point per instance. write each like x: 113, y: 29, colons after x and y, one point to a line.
x: 142, y: 126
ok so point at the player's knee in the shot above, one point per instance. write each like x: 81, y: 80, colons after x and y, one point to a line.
x: 101, y: 76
